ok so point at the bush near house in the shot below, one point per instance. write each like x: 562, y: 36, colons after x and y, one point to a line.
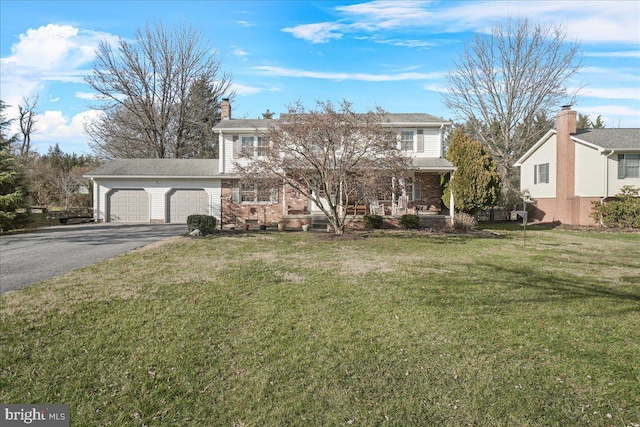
x: 205, y: 223
x: 372, y: 222
x: 622, y: 212
x: 463, y: 222
x: 409, y: 221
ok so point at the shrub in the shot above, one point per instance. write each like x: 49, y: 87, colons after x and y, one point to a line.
x: 463, y: 222
x: 205, y: 223
x: 409, y: 221
x: 622, y: 212
x: 372, y: 222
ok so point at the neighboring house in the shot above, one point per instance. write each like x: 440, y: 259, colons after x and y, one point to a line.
x: 168, y: 190
x: 569, y: 168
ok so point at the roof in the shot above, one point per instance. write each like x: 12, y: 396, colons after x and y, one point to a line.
x: 244, y: 124
x: 603, y: 140
x: 611, y: 139
x: 393, y: 118
x: 175, y: 168
x: 437, y: 163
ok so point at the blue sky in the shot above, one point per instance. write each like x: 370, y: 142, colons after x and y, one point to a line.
x: 387, y: 53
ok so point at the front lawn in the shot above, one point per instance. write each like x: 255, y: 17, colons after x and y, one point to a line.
x: 259, y: 329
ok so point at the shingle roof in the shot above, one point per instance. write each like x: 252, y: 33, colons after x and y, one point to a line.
x: 611, y: 139
x: 432, y: 163
x: 392, y: 118
x: 244, y: 124
x: 183, y: 168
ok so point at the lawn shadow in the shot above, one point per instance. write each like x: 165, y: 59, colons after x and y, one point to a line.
x: 554, y: 286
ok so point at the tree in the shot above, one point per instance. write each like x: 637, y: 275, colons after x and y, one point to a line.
x: 268, y: 114
x: 476, y: 183
x: 333, y: 156
x: 12, y: 193
x: 502, y: 80
x: 27, y: 119
x: 584, y: 122
x: 155, y: 92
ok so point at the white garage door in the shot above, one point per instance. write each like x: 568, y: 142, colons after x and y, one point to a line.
x: 183, y: 203
x: 129, y: 206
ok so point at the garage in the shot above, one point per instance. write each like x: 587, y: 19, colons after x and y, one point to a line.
x: 183, y: 203
x: 130, y: 205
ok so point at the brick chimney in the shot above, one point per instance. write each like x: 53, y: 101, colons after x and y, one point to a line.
x: 566, y: 124
x: 225, y: 109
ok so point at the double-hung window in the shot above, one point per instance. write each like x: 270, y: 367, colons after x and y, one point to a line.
x: 256, y: 193
x: 262, y: 147
x: 541, y: 173
x: 247, y: 145
x: 628, y: 166
x: 406, y: 140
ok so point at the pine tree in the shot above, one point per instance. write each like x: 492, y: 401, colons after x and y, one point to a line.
x: 476, y: 184
x: 12, y: 193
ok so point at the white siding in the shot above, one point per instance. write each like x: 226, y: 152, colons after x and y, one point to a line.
x: 432, y: 143
x: 546, y: 153
x: 589, y: 172
x: 228, y: 153
x: 616, y: 184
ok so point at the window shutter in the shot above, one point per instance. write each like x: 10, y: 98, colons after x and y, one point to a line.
x: 237, y: 148
x: 420, y: 141
x: 535, y: 174
x: 417, y: 188
x: 273, y: 196
x: 621, y: 167
x: 235, y: 197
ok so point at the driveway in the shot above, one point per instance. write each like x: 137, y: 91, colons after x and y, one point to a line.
x: 31, y: 257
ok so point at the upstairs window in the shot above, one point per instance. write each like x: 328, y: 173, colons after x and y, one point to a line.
x: 628, y: 166
x: 541, y: 173
x: 247, y: 145
x: 406, y: 140
x: 262, y: 147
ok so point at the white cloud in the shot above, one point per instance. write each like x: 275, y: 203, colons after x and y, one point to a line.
x: 239, y: 52
x: 624, y: 54
x: 609, y: 21
x: 292, y: 72
x: 245, y: 23
x: 612, y: 93
x: 614, y: 115
x: 52, y: 52
x: 316, y: 33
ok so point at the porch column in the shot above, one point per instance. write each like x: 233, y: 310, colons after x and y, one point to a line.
x: 452, y: 204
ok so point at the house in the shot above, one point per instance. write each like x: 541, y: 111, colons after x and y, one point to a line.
x: 569, y: 168
x: 168, y: 190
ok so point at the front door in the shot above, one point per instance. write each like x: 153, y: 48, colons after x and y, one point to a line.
x: 313, y: 207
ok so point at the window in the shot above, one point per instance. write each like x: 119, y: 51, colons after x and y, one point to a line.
x: 541, y: 173
x: 262, y: 147
x: 406, y: 140
x: 256, y: 193
x: 628, y: 166
x: 247, y: 145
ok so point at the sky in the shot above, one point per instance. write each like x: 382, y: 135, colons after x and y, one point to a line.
x: 391, y: 54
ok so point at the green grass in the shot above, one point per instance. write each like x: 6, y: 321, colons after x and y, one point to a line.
x: 380, y: 328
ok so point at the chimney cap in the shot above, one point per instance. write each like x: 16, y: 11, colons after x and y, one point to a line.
x: 225, y: 99
x: 566, y: 107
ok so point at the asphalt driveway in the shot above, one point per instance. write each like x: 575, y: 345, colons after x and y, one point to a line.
x: 31, y: 257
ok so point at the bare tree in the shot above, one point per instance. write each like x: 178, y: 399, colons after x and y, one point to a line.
x: 333, y: 156
x: 154, y: 90
x: 502, y: 80
x: 27, y: 120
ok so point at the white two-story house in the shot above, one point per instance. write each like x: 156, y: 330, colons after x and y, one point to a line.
x: 168, y: 190
x: 568, y: 169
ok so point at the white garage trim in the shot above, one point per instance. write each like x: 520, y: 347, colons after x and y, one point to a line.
x: 128, y: 205
x: 184, y: 202
x: 158, y: 191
